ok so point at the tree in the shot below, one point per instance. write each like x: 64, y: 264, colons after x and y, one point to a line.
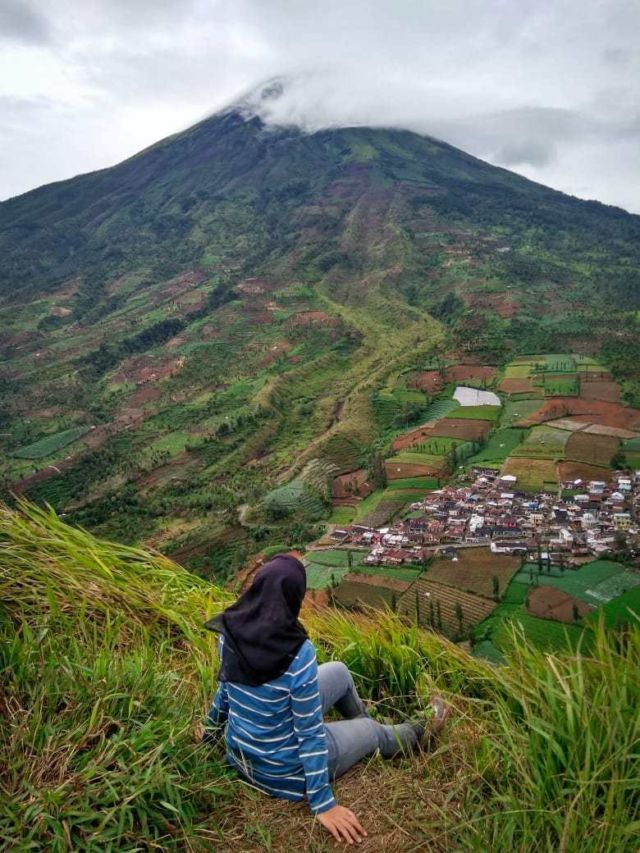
x: 350, y: 559
x: 576, y: 613
x: 432, y: 613
x: 495, y: 581
x: 438, y: 615
x: 459, y: 617
x: 417, y: 608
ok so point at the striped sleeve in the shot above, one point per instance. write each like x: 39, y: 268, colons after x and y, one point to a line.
x: 309, y: 729
x: 219, y: 710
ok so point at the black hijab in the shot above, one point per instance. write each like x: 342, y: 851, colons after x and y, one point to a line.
x: 261, y: 630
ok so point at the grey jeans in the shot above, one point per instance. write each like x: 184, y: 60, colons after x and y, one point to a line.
x: 357, y: 736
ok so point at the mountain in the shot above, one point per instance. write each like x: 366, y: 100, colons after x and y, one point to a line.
x: 217, y: 318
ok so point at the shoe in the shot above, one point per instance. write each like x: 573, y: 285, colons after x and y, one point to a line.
x: 439, y: 713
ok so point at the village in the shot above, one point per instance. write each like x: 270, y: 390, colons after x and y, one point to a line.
x: 580, y: 521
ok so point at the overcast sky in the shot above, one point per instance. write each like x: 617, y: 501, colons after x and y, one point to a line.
x: 548, y: 88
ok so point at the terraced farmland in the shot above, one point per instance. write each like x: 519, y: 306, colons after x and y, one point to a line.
x: 427, y: 599
x: 544, y: 442
x: 50, y: 444
x: 474, y: 571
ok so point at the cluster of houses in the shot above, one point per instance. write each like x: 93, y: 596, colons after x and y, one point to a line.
x: 582, y: 520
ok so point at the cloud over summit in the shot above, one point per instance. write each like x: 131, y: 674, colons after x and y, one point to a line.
x: 549, y: 90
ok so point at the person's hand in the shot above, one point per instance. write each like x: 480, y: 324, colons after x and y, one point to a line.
x: 342, y: 824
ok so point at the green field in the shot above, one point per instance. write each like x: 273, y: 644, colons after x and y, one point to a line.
x: 479, y: 413
x: 544, y: 634
x: 50, y: 444
x: 336, y: 557
x: 620, y: 610
x: 596, y: 583
x: 342, y: 515
x: 320, y: 576
x: 517, y: 410
x: 439, y: 409
x: 414, y: 483
x: 543, y: 442
x: 501, y: 444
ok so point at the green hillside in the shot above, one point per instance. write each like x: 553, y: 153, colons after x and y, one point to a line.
x: 238, y: 301
x: 106, y: 671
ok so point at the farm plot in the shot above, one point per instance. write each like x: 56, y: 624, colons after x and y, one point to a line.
x: 516, y: 386
x: 399, y: 573
x: 414, y: 465
x: 432, y: 604
x: 337, y: 557
x: 415, y: 483
x: 426, y: 380
x: 597, y: 582
x: 580, y: 471
x: 600, y: 390
x: 462, y: 429
x: 294, y: 497
x: 360, y: 594
x: 518, y: 410
x: 480, y: 413
x: 50, y: 444
x: 548, y: 602
x: 439, y: 409
x: 518, y: 370
x: 541, y: 633
x: 532, y: 474
x: 620, y: 610
x: 475, y: 570
x: 500, y: 445
x: 321, y: 576
x: 544, y: 442
x: 476, y: 372
x: 382, y: 513
x: 591, y: 449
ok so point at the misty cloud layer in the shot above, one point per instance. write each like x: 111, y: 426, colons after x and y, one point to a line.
x: 550, y: 90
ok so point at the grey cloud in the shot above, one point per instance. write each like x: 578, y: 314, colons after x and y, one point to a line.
x: 550, y: 90
x: 20, y: 22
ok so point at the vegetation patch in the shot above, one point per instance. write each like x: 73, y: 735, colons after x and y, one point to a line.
x: 444, y: 608
x: 50, y: 444
x: 591, y: 449
x: 476, y: 570
x: 501, y: 444
x: 320, y: 576
x: 532, y: 474
x: 544, y: 442
x: 480, y: 413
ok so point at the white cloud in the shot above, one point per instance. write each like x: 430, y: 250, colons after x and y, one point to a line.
x: 549, y: 90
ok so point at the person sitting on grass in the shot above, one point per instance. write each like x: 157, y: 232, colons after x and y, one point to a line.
x: 272, y: 697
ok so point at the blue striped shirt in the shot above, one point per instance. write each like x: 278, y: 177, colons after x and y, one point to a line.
x: 275, y: 732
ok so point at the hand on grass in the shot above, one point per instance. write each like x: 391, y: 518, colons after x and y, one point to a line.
x: 342, y: 824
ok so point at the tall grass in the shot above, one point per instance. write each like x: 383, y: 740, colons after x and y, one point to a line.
x: 105, y: 672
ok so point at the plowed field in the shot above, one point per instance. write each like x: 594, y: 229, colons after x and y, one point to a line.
x: 462, y: 428
x: 592, y: 449
x: 415, y: 605
x: 474, y: 571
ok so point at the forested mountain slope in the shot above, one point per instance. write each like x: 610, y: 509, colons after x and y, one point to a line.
x: 197, y: 324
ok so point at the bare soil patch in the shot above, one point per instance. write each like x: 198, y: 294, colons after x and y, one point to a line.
x: 427, y: 380
x: 463, y: 428
x: 402, y: 470
x: 590, y: 448
x: 516, y: 386
x: 601, y: 390
x: 255, y: 286
x: 582, y: 471
x: 416, y: 436
x: 354, y: 484
x: 479, y: 372
x: 593, y: 411
x: 547, y: 602
x: 378, y: 580
x: 474, y: 571
x: 146, y: 368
